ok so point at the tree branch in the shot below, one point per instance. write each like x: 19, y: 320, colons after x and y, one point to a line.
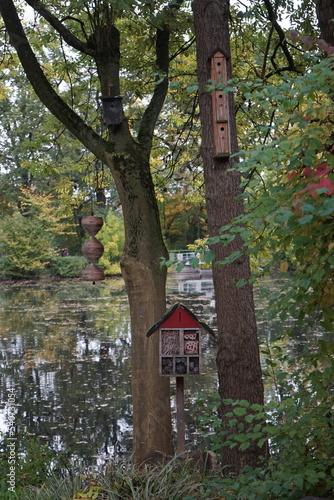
x: 42, y: 86
x: 150, y: 116
x: 65, y: 33
x: 282, y: 41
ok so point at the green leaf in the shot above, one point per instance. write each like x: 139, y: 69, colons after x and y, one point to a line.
x: 242, y: 438
x: 174, y: 85
x: 179, y: 267
x: 194, y: 262
x: 284, y: 216
x: 307, y: 207
x: 192, y: 88
x: 227, y: 238
x: 239, y: 411
x: 208, y: 256
x: 240, y: 283
x: 327, y: 208
x: 213, y: 240
x: 305, y: 220
x: 256, y: 407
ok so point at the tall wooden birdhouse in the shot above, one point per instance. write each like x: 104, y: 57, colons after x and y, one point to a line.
x: 220, y: 106
x: 179, y: 342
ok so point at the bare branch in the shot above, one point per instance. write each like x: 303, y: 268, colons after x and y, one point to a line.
x: 282, y: 42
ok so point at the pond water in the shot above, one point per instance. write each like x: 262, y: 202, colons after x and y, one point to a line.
x: 65, y: 348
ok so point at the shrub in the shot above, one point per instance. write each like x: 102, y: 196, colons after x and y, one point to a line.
x: 34, y: 462
x: 298, y: 428
x: 119, y: 481
x: 67, y: 267
x: 25, y: 247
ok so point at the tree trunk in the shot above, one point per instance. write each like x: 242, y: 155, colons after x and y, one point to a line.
x: 238, y: 360
x: 145, y: 284
x: 325, y: 14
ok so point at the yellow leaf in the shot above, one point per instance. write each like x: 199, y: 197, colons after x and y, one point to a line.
x: 284, y: 266
x: 330, y: 246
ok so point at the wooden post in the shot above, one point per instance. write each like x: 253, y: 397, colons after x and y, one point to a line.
x: 180, y: 423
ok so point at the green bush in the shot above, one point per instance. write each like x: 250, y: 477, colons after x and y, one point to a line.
x: 120, y: 481
x: 67, y: 267
x: 25, y: 247
x: 34, y: 462
x: 298, y: 428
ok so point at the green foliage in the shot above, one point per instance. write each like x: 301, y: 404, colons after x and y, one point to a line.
x: 67, y: 267
x: 34, y: 462
x: 112, y: 237
x: 289, y: 186
x: 298, y: 427
x: 120, y: 481
x: 25, y: 247
x: 183, y: 218
x: 293, y: 208
x: 27, y: 237
x: 5, y: 493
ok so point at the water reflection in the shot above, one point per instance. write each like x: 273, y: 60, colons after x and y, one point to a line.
x: 65, y: 347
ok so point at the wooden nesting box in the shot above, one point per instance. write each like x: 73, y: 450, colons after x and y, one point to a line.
x: 220, y: 106
x: 112, y: 110
x: 179, y: 342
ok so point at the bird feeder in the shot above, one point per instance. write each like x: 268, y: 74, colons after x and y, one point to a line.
x: 92, y: 249
x: 112, y: 110
x: 179, y: 354
x: 220, y: 106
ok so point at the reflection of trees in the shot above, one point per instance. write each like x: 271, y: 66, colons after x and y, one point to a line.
x: 70, y: 390
x: 87, y: 400
x: 66, y: 347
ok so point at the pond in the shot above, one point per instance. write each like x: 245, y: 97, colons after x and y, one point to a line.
x: 65, y: 347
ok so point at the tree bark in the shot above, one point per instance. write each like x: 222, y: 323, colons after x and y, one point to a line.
x: 128, y: 160
x: 145, y: 284
x: 238, y: 360
x: 325, y: 15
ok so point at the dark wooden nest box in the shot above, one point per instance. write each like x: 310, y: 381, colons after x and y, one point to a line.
x: 112, y: 110
x: 179, y: 342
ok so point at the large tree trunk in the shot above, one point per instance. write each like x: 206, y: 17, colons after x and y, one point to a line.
x: 145, y: 284
x: 325, y: 14
x: 238, y: 358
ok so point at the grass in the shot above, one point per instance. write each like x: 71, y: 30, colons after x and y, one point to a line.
x: 120, y: 482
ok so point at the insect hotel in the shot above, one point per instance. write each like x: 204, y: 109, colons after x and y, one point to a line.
x: 179, y: 354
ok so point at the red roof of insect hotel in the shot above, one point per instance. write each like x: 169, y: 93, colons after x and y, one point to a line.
x: 179, y: 316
